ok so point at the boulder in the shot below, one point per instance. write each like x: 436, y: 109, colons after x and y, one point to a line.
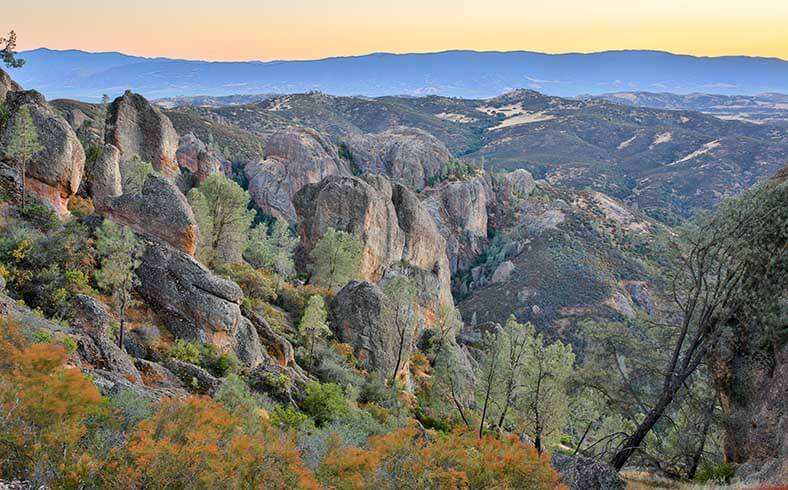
x: 7, y: 84
x: 192, y: 154
x: 355, y: 319
x: 160, y: 211
x: 460, y: 211
x: 198, y: 306
x: 104, y: 179
x: 410, y: 156
x: 53, y: 174
x: 503, y: 272
x: 293, y: 158
x: 581, y: 473
x: 137, y: 127
x: 517, y: 184
x: 194, y: 378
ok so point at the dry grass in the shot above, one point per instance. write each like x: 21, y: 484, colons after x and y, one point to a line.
x: 643, y: 480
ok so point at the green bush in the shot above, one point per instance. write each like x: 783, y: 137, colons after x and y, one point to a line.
x: 220, y: 364
x: 719, y: 473
x: 325, y: 402
x: 288, y: 417
x: 186, y: 352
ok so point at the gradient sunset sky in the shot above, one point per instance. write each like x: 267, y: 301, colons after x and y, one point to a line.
x: 309, y: 29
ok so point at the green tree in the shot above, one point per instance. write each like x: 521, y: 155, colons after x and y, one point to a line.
x: 8, y: 51
x: 119, y: 252
x: 134, y: 172
x: 272, y: 249
x: 452, y: 386
x: 335, y: 259
x: 23, y: 143
x: 399, y: 315
x: 324, y: 402
x: 314, y: 323
x: 730, y: 264
x: 223, y: 207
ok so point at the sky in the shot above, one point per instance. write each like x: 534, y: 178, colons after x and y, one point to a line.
x: 310, y: 29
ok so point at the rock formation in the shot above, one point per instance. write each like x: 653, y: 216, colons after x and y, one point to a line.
x: 293, y: 158
x: 7, y: 84
x: 54, y: 173
x: 104, y: 179
x: 460, y: 211
x: 160, y: 210
x: 391, y: 223
x: 136, y: 127
x: 198, y: 306
x: 192, y: 154
x: 408, y: 155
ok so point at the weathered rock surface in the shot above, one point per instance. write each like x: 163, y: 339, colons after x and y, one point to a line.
x: 160, y: 210
x: 194, y: 378
x: 393, y: 226
x: 408, y: 155
x: 198, y: 306
x: 517, y: 184
x: 581, y: 473
x: 460, y: 212
x: 53, y: 174
x: 104, y: 179
x: 293, y: 158
x: 137, y: 127
x: 7, y: 84
x: 193, y: 155
x: 355, y: 315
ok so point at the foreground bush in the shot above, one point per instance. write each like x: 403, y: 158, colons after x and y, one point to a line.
x: 405, y: 459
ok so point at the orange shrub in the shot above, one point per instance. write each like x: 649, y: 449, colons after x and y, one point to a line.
x: 404, y: 459
x: 196, y: 443
x: 45, y: 404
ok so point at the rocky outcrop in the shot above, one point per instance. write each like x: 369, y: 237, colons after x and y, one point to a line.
x: 192, y: 154
x: 460, y: 212
x: 517, y: 184
x: 137, y: 127
x: 293, y: 158
x: 160, y: 210
x: 753, y: 387
x: 355, y: 315
x: 7, y: 84
x: 104, y: 179
x: 408, y: 155
x: 581, y: 473
x: 198, y: 306
x: 395, y: 229
x: 54, y: 173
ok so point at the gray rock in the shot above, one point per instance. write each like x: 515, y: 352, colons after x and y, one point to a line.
x: 503, y: 272
x: 581, y: 473
x: 518, y: 184
x: 53, y: 174
x: 410, y: 156
x: 160, y: 211
x: 104, y: 178
x: 137, y: 127
x: 194, y: 378
x: 7, y: 84
x: 460, y: 212
x: 293, y: 158
x: 192, y: 154
x: 393, y: 226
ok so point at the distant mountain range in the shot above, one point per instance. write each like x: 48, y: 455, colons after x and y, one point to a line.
x: 468, y: 74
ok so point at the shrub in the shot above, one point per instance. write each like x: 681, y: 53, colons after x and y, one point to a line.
x: 719, y: 473
x: 80, y: 206
x: 186, y: 352
x: 258, y: 286
x: 288, y: 417
x: 324, y: 402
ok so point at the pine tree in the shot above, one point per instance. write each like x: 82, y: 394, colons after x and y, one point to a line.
x: 272, y: 249
x: 119, y: 253
x: 225, y: 205
x: 8, y: 52
x: 314, y: 322
x: 134, y: 173
x: 399, y: 314
x: 335, y: 259
x: 23, y: 143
